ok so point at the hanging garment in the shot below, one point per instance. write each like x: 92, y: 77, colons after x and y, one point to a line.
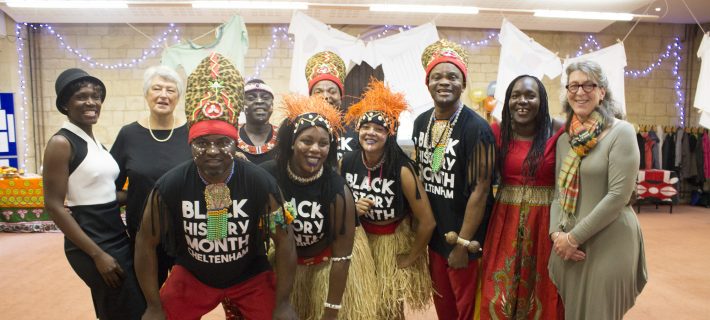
x: 689, y: 168
x: 231, y: 41
x: 702, y: 95
x: 312, y: 36
x: 612, y: 59
x: 520, y: 54
x: 400, y: 57
x: 651, y: 143
x: 700, y: 159
x: 642, y: 149
x: 679, y: 136
x: 659, y: 150
x: 668, y: 152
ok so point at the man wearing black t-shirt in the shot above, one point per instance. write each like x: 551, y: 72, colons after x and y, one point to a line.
x: 215, y: 215
x: 455, y: 152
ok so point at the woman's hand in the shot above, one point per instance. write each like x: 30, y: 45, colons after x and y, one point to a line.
x: 404, y: 261
x: 566, y: 247
x: 363, y: 206
x: 109, y: 269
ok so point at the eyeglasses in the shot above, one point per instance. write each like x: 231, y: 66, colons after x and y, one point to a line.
x: 587, y: 87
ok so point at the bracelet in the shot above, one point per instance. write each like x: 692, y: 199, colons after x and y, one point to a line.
x: 555, y: 235
x: 332, y: 306
x: 339, y: 259
x: 570, y: 242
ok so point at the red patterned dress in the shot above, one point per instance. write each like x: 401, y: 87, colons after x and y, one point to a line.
x: 516, y: 284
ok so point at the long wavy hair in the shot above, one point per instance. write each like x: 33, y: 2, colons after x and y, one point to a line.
x: 543, y: 129
x: 608, y: 106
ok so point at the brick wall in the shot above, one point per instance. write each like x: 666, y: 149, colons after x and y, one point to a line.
x: 649, y: 100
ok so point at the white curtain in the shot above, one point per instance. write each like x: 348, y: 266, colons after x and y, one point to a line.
x: 520, y: 54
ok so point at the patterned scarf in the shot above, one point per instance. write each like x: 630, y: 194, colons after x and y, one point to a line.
x: 583, y: 138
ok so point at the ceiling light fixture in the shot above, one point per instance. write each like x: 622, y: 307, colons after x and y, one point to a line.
x: 423, y: 8
x: 68, y: 4
x: 590, y: 15
x: 250, y: 5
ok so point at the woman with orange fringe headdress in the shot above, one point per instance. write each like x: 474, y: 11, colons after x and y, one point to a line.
x: 391, y: 204
x: 335, y: 277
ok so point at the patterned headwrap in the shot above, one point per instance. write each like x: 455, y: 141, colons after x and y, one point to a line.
x: 378, y: 105
x: 256, y: 86
x: 445, y: 51
x: 325, y: 65
x: 305, y: 112
x: 214, y: 98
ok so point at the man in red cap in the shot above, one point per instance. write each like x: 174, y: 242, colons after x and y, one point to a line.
x: 214, y: 215
x: 455, y: 152
x: 325, y: 72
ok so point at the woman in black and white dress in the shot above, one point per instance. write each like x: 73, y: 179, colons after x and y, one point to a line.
x: 79, y: 169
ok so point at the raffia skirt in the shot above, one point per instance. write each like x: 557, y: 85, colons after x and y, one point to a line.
x: 395, y: 286
x: 310, y: 287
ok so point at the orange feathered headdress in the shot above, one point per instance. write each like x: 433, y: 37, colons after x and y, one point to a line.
x: 379, y: 105
x: 305, y: 112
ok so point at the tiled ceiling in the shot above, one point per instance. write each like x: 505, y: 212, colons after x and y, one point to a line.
x: 143, y: 11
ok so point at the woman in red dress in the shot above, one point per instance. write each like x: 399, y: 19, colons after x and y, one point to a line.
x: 515, y: 283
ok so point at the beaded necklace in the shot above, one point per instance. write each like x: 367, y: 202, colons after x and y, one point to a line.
x: 370, y: 169
x: 156, y: 138
x: 437, y: 155
x: 264, y: 148
x: 217, y: 199
x: 302, y: 180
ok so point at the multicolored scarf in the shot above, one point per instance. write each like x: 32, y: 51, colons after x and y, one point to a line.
x: 583, y: 138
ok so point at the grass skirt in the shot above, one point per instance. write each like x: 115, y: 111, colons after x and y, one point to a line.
x: 411, y: 285
x: 310, y: 288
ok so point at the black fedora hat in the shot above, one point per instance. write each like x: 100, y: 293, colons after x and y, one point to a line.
x: 68, y: 77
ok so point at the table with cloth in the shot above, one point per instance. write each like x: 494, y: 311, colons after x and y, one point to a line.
x: 22, y: 206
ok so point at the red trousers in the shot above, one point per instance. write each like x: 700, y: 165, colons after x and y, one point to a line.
x: 456, y: 288
x: 185, y: 297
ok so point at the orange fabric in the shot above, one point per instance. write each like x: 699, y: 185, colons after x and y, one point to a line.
x: 21, y: 193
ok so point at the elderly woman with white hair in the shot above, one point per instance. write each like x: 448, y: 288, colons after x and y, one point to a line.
x: 147, y: 148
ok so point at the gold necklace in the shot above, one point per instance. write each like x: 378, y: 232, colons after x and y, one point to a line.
x: 169, y: 135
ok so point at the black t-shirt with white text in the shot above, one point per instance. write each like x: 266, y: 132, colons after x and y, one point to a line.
x: 224, y: 262
x: 313, y: 228
x: 449, y: 189
x: 384, y: 188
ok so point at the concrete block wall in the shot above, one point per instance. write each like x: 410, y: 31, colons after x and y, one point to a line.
x: 649, y: 100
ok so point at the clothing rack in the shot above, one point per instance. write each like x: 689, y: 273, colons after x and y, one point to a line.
x: 683, y: 150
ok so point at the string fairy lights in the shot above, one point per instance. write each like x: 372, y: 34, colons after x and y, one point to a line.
x: 24, y: 116
x: 674, y: 51
x: 280, y: 34
x: 277, y: 34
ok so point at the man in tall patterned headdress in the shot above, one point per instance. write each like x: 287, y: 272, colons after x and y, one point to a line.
x: 214, y: 214
x: 455, y: 152
x: 325, y: 72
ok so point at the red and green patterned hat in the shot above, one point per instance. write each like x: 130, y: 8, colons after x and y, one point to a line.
x: 325, y: 65
x: 214, y: 98
x: 445, y: 51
